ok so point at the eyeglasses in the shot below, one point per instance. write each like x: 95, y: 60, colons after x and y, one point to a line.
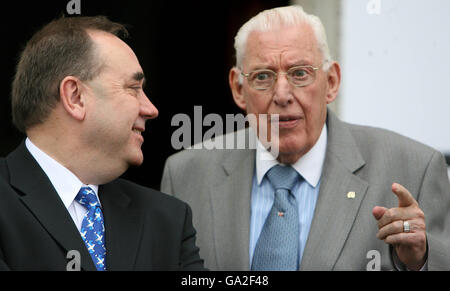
x: 299, y: 76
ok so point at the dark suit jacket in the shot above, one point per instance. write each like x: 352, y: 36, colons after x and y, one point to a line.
x: 145, y: 229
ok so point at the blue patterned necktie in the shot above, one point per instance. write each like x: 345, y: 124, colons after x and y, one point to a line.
x: 92, y: 227
x: 277, y: 248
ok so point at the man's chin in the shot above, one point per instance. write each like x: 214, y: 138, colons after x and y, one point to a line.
x: 290, y: 153
x: 137, y: 163
x: 136, y: 160
x: 290, y: 146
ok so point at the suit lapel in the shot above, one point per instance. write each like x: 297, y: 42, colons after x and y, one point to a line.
x: 231, y: 210
x: 335, y: 213
x: 123, y: 228
x: 40, y: 197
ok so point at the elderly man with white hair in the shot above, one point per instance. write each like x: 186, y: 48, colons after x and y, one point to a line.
x: 337, y: 196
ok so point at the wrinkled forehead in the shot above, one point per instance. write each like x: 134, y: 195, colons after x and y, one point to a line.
x: 286, y: 45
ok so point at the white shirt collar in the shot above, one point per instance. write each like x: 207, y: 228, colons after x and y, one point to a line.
x: 66, y: 184
x: 309, y: 166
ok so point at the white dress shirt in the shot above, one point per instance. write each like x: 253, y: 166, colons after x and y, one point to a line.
x: 66, y: 184
x: 309, y: 166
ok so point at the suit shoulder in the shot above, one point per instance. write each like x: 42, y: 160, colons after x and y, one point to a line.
x: 147, y: 196
x: 196, y: 158
x: 374, y: 138
x: 4, y: 173
x: 212, y: 151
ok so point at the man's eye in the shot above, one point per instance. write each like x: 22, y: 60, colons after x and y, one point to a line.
x: 300, y: 73
x: 262, y: 76
x: 135, y: 90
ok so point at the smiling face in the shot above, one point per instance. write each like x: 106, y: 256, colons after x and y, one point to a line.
x: 302, y: 110
x: 117, y: 107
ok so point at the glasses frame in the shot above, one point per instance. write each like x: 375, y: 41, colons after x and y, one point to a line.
x: 314, y: 69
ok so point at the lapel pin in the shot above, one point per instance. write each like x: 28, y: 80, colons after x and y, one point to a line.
x: 351, y: 195
x: 280, y: 214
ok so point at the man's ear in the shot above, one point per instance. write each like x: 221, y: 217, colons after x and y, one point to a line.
x: 236, y: 88
x: 70, y: 90
x: 334, y: 81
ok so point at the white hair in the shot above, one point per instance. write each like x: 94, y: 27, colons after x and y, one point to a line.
x: 276, y: 18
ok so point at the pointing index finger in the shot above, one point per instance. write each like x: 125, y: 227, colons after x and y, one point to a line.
x: 405, y: 198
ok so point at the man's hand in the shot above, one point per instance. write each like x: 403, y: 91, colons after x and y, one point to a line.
x: 411, y: 246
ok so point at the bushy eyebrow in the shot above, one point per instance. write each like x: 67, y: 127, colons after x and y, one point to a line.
x: 139, y: 76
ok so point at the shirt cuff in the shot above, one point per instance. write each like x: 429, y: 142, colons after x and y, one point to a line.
x: 399, y: 266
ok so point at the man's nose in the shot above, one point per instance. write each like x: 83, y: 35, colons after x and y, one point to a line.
x: 147, y: 109
x: 282, y: 90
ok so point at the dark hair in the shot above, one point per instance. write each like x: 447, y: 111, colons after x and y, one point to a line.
x: 61, y: 48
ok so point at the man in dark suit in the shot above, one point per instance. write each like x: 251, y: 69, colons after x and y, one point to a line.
x: 78, y: 95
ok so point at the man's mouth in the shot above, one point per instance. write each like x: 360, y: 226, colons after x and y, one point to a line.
x: 138, y: 131
x: 287, y: 120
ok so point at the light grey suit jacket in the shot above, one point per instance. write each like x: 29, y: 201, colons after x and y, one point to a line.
x: 217, y: 184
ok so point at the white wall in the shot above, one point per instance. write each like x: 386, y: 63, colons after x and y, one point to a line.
x: 395, y: 57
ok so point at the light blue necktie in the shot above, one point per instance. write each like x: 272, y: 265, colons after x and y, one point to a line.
x: 92, y: 227
x: 277, y: 248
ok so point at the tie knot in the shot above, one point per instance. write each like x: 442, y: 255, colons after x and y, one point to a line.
x: 282, y: 177
x: 87, y: 197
